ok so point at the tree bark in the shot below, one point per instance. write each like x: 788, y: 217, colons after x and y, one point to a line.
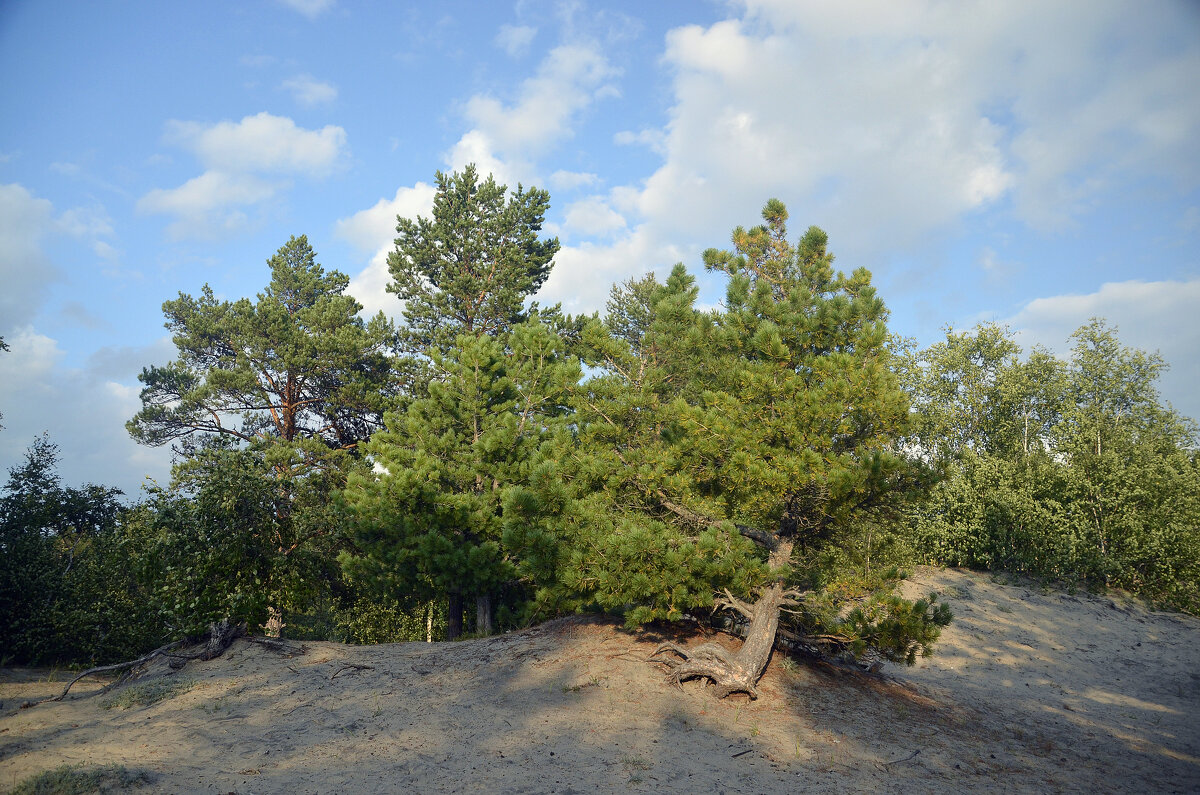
x: 737, y: 672
x: 454, y: 615
x: 483, y: 614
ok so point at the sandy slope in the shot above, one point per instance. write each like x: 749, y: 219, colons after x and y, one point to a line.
x: 1030, y: 691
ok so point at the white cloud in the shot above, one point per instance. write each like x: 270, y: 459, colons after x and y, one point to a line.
x: 571, y: 180
x: 203, y: 206
x: 86, y: 222
x: 83, y: 411
x: 1153, y: 316
x: 374, y: 230
x: 593, y: 216
x: 309, y: 8
x: 209, y: 191
x: 262, y: 143
x: 309, y: 91
x: 478, y: 148
x: 654, y: 140
x: 25, y: 271
x: 547, y: 103
x: 888, y: 122
x: 105, y: 251
x: 584, y: 273
x: 247, y: 164
x: 515, y: 39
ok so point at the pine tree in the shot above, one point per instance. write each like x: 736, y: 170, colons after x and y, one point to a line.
x: 464, y: 275
x: 430, y: 517
x: 298, y: 368
x: 296, y: 378
x: 722, y: 452
x: 469, y: 268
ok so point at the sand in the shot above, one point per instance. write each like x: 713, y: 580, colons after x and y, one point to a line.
x: 1030, y: 691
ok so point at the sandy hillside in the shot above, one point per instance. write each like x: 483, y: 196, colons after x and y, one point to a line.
x: 1030, y: 691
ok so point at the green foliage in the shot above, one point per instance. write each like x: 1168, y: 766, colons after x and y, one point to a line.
x: 859, y: 618
x: 298, y: 366
x: 230, y: 541
x: 270, y: 400
x: 1069, y: 471
x: 774, y: 420
x: 429, y: 518
x: 469, y: 268
x: 67, y: 592
x: 379, y: 621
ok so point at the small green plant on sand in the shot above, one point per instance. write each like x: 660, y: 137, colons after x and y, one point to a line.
x: 67, y: 780
x: 147, y: 693
x: 635, y: 766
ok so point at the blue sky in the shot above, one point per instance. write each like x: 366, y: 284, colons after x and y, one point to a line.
x: 1029, y: 163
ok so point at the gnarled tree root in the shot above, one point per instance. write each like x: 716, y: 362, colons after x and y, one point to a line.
x: 710, y: 661
x: 221, y: 636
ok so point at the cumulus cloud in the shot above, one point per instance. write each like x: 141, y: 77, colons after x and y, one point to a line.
x: 515, y: 39
x: 25, y: 271
x: 1153, y: 316
x: 593, y: 216
x: 83, y: 411
x: 373, y: 231
x: 248, y: 163
x: 309, y: 91
x: 654, y: 140
x: 585, y: 272
x: 261, y: 143
x: 891, y: 122
x: 571, y: 180
x: 566, y: 82
x: 209, y: 191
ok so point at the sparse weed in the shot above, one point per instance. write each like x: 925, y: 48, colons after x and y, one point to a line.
x: 593, y: 682
x: 147, y: 693
x: 635, y: 766
x: 212, y: 707
x: 67, y: 780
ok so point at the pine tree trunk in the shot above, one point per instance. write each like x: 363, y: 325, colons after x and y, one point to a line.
x: 483, y: 614
x: 429, y: 623
x: 737, y: 672
x: 454, y: 615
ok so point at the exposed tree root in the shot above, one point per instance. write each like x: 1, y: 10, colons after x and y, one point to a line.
x: 221, y: 636
x: 731, y: 672
x: 713, y: 662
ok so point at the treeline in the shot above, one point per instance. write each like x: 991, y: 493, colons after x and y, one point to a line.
x: 491, y: 463
x: 1072, y: 471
